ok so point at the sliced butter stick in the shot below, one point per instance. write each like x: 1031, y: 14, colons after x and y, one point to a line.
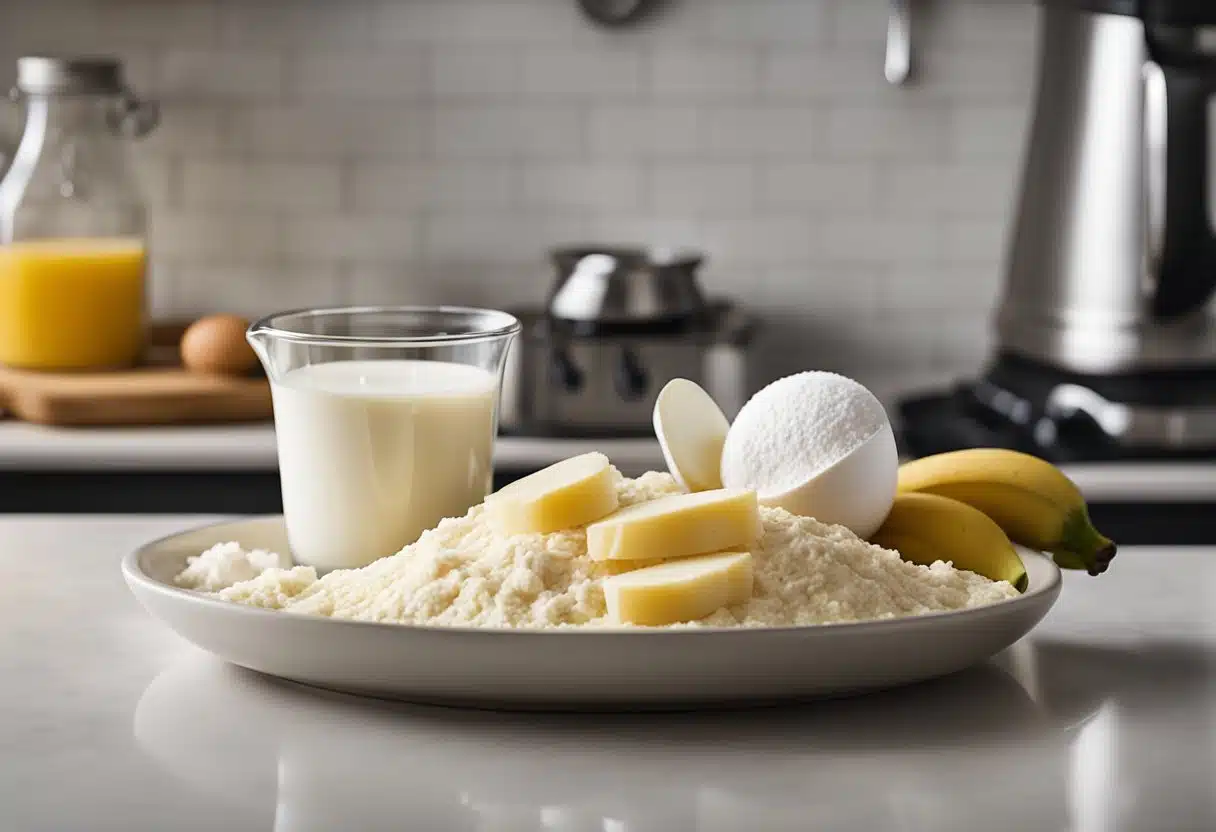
x: 682, y: 590
x: 677, y: 526
x: 567, y: 494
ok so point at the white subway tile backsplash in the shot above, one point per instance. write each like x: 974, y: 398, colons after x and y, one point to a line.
x: 500, y: 237
x: 705, y: 74
x: 954, y: 190
x: 65, y: 26
x: 738, y: 281
x: 526, y: 283
x: 392, y: 188
x: 753, y: 238
x: 1008, y: 22
x: 405, y: 283
x: 885, y: 134
x: 872, y: 239
x: 704, y: 190
x: 378, y: 188
x: 226, y: 237
x: 994, y: 135
x: 918, y: 287
x: 160, y: 280
x: 290, y: 187
x: 828, y: 187
x: 973, y: 241
x: 158, y: 181
x: 854, y: 22
x: 797, y: 339
x: 757, y: 132
x: 266, y: 289
x: 903, y: 343
x: 804, y: 21
x: 221, y: 74
x: 582, y: 185
x: 523, y: 21
x: 848, y: 74
x: 354, y: 74
x: 348, y: 238
x: 140, y: 69
x: 155, y: 21
x: 980, y: 74
x: 965, y: 345
x: 641, y: 131
x: 824, y: 288
x: 497, y: 131
x: 289, y: 22
x: 329, y: 132
x: 648, y: 229
x: 609, y: 73
x: 185, y: 129
x: 315, y: 151
x: 891, y: 385
x: 484, y: 72
x: 464, y: 283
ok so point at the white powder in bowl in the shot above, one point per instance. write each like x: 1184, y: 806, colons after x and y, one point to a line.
x: 796, y: 428
x: 463, y: 574
x: 225, y: 564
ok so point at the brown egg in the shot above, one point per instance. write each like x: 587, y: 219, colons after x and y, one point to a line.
x: 216, y: 344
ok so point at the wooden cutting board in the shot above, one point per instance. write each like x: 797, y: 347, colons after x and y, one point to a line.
x: 159, y: 393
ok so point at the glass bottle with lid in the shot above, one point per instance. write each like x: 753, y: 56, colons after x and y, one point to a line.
x: 73, y: 235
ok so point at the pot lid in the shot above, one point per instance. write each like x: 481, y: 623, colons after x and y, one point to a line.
x: 625, y: 285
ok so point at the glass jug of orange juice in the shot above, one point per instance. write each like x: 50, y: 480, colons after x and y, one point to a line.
x: 73, y: 242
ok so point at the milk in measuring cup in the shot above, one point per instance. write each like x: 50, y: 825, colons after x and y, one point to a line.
x: 373, y: 453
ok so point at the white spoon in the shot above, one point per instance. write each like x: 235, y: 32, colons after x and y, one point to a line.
x: 691, y: 430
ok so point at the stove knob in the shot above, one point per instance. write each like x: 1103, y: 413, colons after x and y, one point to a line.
x: 632, y: 381
x: 1077, y: 431
x: 564, y: 374
x: 1082, y: 418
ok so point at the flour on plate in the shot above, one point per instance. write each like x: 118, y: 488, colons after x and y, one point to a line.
x: 462, y: 574
x: 225, y: 564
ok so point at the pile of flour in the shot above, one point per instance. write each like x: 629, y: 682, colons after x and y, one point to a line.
x: 225, y: 564
x: 462, y: 574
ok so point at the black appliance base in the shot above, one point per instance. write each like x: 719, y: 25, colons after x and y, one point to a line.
x: 940, y: 422
x: 151, y: 492
x: 243, y: 492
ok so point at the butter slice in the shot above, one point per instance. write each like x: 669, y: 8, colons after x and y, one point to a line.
x: 681, y: 590
x: 565, y: 495
x: 677, y: 526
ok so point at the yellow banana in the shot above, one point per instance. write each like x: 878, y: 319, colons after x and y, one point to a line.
x: 925, y: 528
x: 1029, y: 498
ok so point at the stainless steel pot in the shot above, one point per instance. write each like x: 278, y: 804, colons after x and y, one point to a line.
x: 625, y: 286
x: 564, y: 383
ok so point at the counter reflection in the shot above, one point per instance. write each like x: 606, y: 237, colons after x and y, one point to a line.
x: 959, y: 753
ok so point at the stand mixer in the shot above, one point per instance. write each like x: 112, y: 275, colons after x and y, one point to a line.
x: 1106, y: 347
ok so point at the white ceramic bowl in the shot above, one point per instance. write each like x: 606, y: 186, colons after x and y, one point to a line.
x: 856, y: 492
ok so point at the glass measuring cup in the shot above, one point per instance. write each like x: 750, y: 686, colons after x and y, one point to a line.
x: 385, y: 419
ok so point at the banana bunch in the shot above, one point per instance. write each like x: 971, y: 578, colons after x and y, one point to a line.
x: 1026, y: 499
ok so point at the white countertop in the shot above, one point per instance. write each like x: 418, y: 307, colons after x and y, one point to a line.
x: 26, y: 447
x: 1104, y: 718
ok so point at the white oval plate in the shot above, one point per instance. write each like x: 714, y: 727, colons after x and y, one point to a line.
x: 571, y: 669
